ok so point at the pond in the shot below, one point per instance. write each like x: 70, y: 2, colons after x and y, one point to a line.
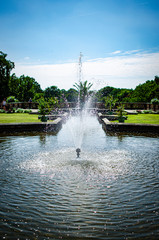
x: 110, y: 192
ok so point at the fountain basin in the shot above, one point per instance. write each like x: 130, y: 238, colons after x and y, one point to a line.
x: 111, y: 190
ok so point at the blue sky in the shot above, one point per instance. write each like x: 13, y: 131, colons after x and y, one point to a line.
x: 48, y: 35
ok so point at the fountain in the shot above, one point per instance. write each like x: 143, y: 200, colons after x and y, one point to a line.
x: 78, y: 123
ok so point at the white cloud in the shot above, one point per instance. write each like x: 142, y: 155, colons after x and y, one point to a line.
x: 131, y: 52
x: 125, y: 71
x: 27, y: 58
x: 116, y: 52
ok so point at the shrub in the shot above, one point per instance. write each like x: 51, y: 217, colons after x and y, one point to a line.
x: 43, y: 107
x: 2, y: 111
x: 110, y: 102
x: 155, y: 101
x: 139, y: 111
x: 19, y: 110
x: 27, y: 111
x: 148, y: 111
x: 11, y: 99
x: 121, y: 113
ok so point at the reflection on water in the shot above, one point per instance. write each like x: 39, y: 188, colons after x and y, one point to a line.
x: 110, y: 192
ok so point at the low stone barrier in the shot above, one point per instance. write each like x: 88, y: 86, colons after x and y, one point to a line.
x: 54, y: 126
x: 130, y: 127
x: 109, y: 117
x: 55, y: 116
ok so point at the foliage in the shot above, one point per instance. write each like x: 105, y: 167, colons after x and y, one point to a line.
x: 37, y: 96
x: 27, y: 111
x: 121, y: 113
x: 147, y: 111
x: 43, y: 106
x: 5, y: 68
x: 118, y: 93
x: 23, y: 87
x: 110, y: 102
x: 139, y: 111
x: 46, y: 106
x: 71, y: 95
x: 146, y: 91
x: 2, y: 111
x: 142, y: 93
x: 19, y: 110
x: 11, y: 99
x: 53, y: 102
x: 52, y: 91
x: 63, y: 91
x: 154, y: 101
x: 83, y: 89
x: 123, y: 95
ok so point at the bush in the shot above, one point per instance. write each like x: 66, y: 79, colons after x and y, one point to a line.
x: 43, y: 106
x: 148, y: 111
x: 139, y: 111
x: 11, y: 99
x: 19, y: 110
x: 2, y: 111
x: 155, y: 101
x: 27, y: 111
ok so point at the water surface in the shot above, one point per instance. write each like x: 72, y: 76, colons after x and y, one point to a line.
x: 110, y: 192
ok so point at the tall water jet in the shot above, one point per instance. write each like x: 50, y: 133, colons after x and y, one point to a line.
x: 78, y: 122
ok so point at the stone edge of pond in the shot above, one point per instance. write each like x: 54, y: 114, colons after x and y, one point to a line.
x: 32, y: 127
x: 128, y: 127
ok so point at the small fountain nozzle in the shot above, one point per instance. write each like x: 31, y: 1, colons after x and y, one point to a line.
x: 78, y: 150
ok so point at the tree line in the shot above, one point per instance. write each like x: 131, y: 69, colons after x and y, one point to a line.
x: 24, y: 87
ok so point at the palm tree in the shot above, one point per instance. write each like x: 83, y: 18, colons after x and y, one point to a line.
x: 83, y: 90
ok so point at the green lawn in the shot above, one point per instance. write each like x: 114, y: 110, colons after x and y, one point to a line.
x: 18, y: 118
x: 25, y: 117
x: 143, y: 119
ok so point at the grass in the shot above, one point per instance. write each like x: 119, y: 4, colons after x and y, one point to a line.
x: 25, y: 117
x: 18, y: 118
x: 143, y: 119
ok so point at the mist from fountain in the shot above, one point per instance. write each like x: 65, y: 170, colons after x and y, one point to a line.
x: 79, y: 121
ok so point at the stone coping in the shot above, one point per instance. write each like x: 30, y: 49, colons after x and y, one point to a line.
x: 54, y: 126
x: 129, y: 127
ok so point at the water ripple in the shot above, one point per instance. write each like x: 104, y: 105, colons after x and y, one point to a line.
x: 111, y: 192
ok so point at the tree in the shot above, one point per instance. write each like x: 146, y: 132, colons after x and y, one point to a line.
x: 24, y: 87
x: 146, y: 91
x: 124, y: 95
x: 156, y: 80
x: 104, y: 92
x: 72, y: 95
x: 13, y: 85
x: 5, y: 68
x: 83, y: 90
x: 110, y: 102
x: 52, y: 91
